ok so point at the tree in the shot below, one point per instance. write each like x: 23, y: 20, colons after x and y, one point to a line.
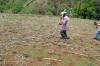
x: 88, y: 9
x: 58, y: 5
x: 98, y: 9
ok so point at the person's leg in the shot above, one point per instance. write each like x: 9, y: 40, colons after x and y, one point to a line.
x: 63, y: 34
x: 97, y: 35
x: 99, y: 38
x: 66, y: 35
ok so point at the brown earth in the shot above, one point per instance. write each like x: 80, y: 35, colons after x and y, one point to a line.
x: 24, y: 42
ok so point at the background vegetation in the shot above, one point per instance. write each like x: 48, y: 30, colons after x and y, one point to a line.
x: 88, y: 9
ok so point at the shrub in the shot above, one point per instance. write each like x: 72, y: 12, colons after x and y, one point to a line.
x: 16, y: 8
x: 49, y: 13
x: 1, y: 9
x: 87, y: 10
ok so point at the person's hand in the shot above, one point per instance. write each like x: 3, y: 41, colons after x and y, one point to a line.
x: 61, y: 17
x: 60, y: 24
x: 96, y: 27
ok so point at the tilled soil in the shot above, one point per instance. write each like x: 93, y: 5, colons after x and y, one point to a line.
x: 25, y: 41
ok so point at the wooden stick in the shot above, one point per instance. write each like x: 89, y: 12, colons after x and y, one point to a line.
x: 52, y: 59
x: 96, y: 60
x: 52, y: 35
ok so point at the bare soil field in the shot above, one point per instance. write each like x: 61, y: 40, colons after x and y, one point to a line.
x: 24, y: 42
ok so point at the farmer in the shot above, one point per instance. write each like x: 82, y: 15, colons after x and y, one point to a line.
x: 64, y: 21
x: 97, y: 36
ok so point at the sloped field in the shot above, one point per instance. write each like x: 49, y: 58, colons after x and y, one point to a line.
x: 24, y: 42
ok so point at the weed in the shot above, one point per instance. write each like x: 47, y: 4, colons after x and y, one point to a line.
x: 18, y: 29
x: 55, y: 57
x: 77, y: 63
x: 32, y: 53
x: 88, y: 62
x: 93, y: 63
x: 65, y: 62
x: 45, y: 53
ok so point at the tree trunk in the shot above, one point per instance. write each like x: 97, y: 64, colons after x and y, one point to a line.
x: 56, y: 9
x: 79, y: 7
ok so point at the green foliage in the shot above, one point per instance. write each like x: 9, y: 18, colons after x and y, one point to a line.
x: 51, y: 10
x: 77, y: 63
x: 28, y: 11
x: 45, y: 53
x: 2, y: 5
x: 48, y: 7
x: 32, y: 53
x: 93, y: 63
x: 38, y: 10
x: 16, y: 8
x: 56, y: 6
x: 87, y: 10
x: 55, y: 57
x: 88, y: 62
x: 66, y: 62
x: 18, y: 29
x: 49, y: 13
x: 1, y: 9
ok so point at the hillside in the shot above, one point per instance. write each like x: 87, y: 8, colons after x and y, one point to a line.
x: 46, y: 7
x: 34, y: 5
x: 87, y: 9
x: 24, y: 42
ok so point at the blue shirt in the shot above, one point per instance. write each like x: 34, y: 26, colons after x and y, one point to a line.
x: 99, y: 28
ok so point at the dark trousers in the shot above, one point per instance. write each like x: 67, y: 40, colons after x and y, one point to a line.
x: 63, y: 34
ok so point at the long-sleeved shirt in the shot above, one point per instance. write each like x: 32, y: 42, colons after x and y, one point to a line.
x: 65, y: 23
x: 99, y: 28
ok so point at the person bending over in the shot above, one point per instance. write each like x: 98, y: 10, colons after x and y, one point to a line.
x: 64, y: 21
x: 97, y: 36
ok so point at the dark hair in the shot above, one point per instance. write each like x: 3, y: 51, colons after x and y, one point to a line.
x: 64, y: 14
x: 95, y: 23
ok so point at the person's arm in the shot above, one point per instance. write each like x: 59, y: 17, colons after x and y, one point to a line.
x: 60, y: 23
x: 96, y: 26
x: 65, y: 21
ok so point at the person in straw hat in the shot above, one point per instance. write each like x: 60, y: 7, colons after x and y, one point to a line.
x: 97, y: 36
x: 64, y: 21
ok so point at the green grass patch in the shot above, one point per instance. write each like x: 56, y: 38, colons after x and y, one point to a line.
x: 98, y: 58
x: 55, y: 57
x: 77, y: 63
x: 65, y: 62
x: 19, y: 29
x: 45, y: 53
x: 88, y: 62
x: 13, y: 17
x: 46, y: 62
x: 37, y: 28
x: 93, y: 63
x: 33, y: 53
